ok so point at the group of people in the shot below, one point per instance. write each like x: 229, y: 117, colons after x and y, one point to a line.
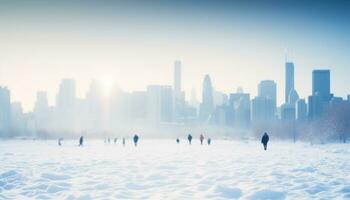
x: 108, y: 140
x: 264, y: 140
x: 189, y: 138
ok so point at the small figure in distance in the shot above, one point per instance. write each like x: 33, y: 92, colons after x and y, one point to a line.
x: 201, y: 138
x: 124, y: 141
x: 115, y: 140
x: 265, y: 140
x: 81, y: 141
x: 60, y: 141
x: 177, y: 140
x: 136, y: 138
x: 189, y: 138
x: 109, y: 140
x: 209, y: 141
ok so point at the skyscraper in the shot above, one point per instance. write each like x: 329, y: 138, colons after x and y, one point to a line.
x: 41, y: 111
x: 207, y: 106
x: 177, y: 78
x: 321, y: 94
x: 66, y: 96
x: 5, y: 111
x: 321, y: 84
x: 240, y: 104
x: 289, y: 79
x: 178, y: 97
x: 66, y: 106
x: 263, y: 110
x: 268, y: 89
x: 301, y: 110
x: 159, y: 103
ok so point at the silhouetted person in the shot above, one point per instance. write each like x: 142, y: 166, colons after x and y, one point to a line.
x: 136, y: 138
x: 81, y: 141
x: 189, y: 138
x: 209, y: 141
x: 124, y: 141
x: 177, y: 140
x: 109, y: 140
x: 265, y: 139
x: 201, y: 138
x: 60, y: 142
x: 115, y: 140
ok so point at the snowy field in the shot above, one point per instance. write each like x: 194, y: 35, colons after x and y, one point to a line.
x: 161, y: 169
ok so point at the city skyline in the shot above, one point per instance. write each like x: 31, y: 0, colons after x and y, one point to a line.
x: 109, y: 83
x: 236, y: 43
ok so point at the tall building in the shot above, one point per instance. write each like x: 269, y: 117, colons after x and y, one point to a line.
x: 287, y: 112
x: 5, y: 112
x: 65, y: 114
x: 66, y: 96
x: 178, y: 96
x: 262, y: 110
x: 289, y: 78
x: 177, y: 78
x: 321, y: 84
x: 301, y: 110
x: 159, y: 103
x: 41, y: 111
x: 268, y: 89
x: 207, y: 105
x: 321, y: 94
x: 240, y: 104
x: 18, y: 122
x: 293, y: 97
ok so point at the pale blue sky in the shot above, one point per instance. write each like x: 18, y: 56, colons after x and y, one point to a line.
x: 135, y: 43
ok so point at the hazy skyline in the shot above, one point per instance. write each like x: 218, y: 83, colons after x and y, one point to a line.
x: 135, y: 43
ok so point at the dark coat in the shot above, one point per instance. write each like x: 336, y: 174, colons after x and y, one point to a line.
x: 265, y: 139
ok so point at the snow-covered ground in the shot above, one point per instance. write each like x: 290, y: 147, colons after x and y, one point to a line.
x: 161, y: 169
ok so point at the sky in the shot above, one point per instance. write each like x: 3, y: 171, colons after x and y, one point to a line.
x: 135, y: 43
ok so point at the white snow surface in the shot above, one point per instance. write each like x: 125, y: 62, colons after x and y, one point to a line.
x: 162, y: 169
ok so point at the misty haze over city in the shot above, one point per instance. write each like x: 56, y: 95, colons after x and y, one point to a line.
x: 185, y: 99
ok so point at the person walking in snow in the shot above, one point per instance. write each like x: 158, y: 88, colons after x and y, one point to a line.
x: 177, y: 140
x: 264, y: 140
x: 209, y: 141
x: 136, y: 138
x: 81, y: 141
x: 189, y: 138
x: 124, y: 141
x: 60, y: 141
x: 201, y: 138
x: 115, y: 140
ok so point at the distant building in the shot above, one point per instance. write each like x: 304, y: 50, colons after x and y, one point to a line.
x: 5, y: 112
x: 66, y: 97
x: 159, y: 103
x: 293, y: 97
x: 178, y: 96
x: 41, y: 112
x: 301, y: 110
x: 321, y: 84
x: 207, y: 105
x: 262, y: 110
x: 18, y: 122
x: 65, y: 114
x: 321, y: 94
x: 268, y: 89
x: 289, y: 78
x: 240, y: 104
x: 287, y: 113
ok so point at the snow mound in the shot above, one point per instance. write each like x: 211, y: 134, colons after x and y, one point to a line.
x: 268, y: 195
